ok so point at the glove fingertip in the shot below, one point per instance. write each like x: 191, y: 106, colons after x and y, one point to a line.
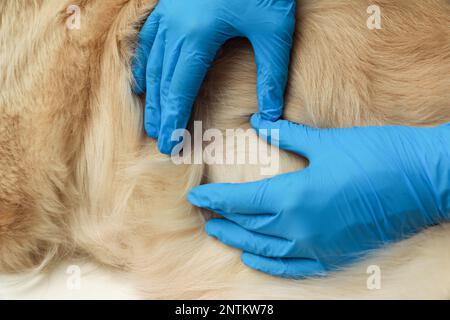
x: 255, y: 121
x: 251, y: 260
x: 198, y: 197
x: 259, y: 121
x: 264, y: 128
x: 270, y: 115
x: 168, y: 138
x: 212, y: 228
x: 257, y: 263
x: 151, y: 131
x: 165, y: 147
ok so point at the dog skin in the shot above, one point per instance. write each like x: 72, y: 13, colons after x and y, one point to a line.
x: 78, y: 176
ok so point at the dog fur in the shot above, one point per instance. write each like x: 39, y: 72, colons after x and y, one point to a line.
x: 78, y: 176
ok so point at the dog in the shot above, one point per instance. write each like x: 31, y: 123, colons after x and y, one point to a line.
x: 79, y: 177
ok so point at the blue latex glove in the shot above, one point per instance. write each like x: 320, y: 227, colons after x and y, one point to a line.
x: 180, y: 40
x: 364, y: 188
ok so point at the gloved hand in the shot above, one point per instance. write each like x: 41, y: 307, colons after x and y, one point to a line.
x: 365, y: 187
x: 181, y: 38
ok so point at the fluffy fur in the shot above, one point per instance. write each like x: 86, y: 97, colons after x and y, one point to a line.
x: 79, y: 177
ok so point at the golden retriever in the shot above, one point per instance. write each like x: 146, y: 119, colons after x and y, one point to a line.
x: 78, y: 176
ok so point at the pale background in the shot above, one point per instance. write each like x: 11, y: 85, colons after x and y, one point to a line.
x: 63, y: 283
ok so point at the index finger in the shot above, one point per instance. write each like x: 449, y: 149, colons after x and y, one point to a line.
x: 259, y: 197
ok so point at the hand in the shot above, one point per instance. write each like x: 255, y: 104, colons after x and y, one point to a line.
x: 181, y: 38
x: 364, y: 188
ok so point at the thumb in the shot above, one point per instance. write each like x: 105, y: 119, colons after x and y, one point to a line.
x: 287, y: 135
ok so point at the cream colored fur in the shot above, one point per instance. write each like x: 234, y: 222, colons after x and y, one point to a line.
x: 79, y: 177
